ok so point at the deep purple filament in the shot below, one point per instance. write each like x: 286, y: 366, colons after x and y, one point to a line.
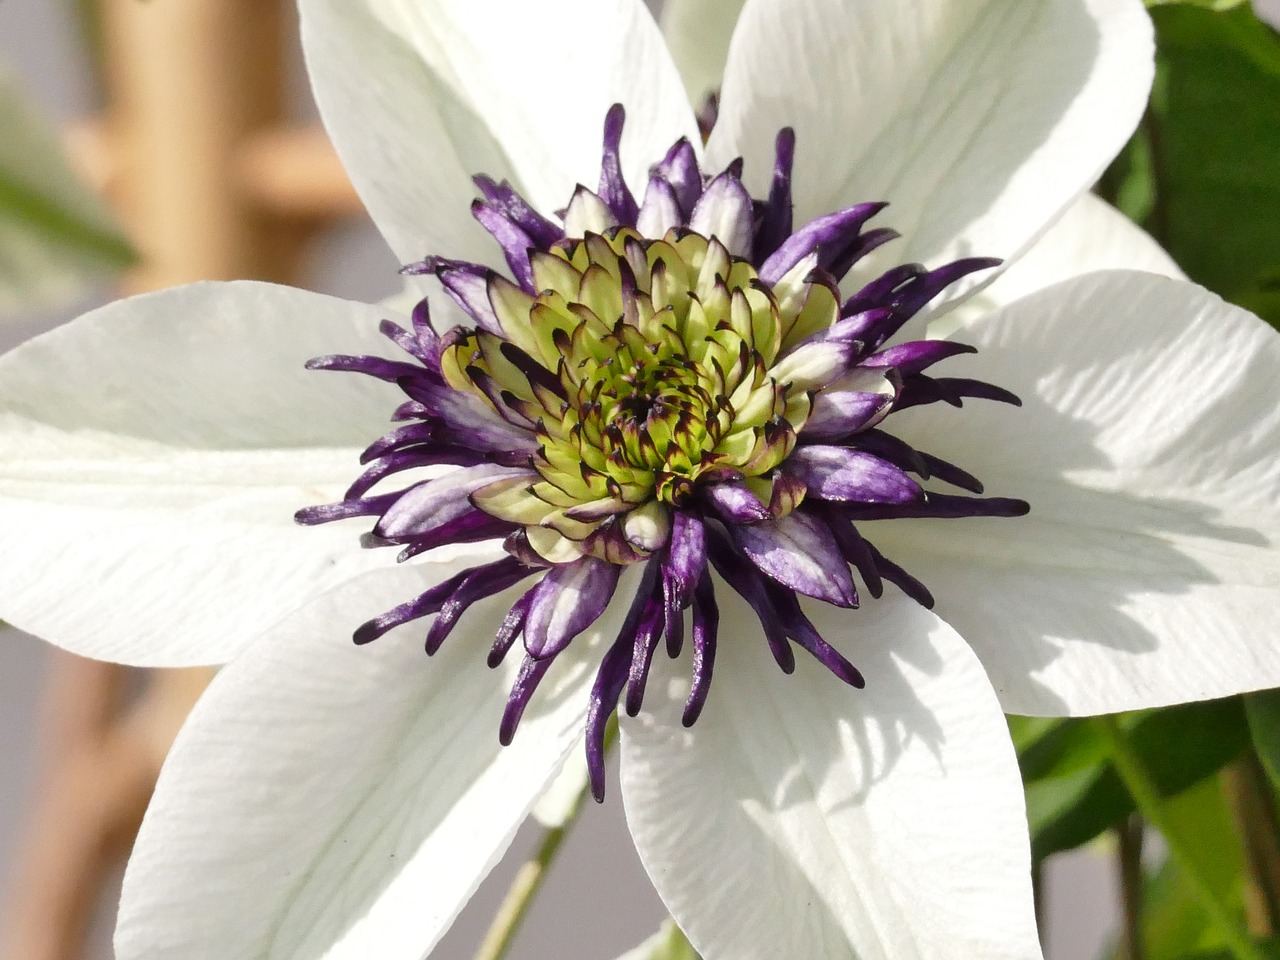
x: 845, y: 469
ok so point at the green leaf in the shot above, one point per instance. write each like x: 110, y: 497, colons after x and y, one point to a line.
x: 1025, y: 731
x: 1214, y: 141
x: 1177, y: 924
x: 1263, y: 712
x: 1218, y: 5
x: 1071, y: 745
x: 54, y: 232
x: 1181, y: 746
x: 1269, y: 948
x: 1174, y: 924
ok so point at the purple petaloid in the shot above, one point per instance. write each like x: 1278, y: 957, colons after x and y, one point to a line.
x: 841, y: 466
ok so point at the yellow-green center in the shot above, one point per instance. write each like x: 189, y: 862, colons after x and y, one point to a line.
x: 642, y: 366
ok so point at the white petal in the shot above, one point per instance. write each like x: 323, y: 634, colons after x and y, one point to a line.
x: 557, y: 804
x: 1147, y: 572
x: 802, y: 818
x: 1092, y: 235
x: 698, y: 33
x: 340, y: 802
x: 979, y: 121
x: 152, y: 454
x: 419, y: 96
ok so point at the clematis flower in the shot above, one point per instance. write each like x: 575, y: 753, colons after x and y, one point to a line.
x: 333, y: 800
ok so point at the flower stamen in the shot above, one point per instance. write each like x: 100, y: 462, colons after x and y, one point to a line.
x: 676, y: 383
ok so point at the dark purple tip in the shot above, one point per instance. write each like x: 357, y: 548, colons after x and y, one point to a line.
x: 904, y: 581
x: 421, y: 606
x: 610, y: 679
x: 391, y: 371
x: 510, y: 629
x: 481, y: 582
x: 916, y: 356
x: 542, y: 231
x: 706, y: 624
x: 613, y: 188
x: 643, y: 648
x: 802, y: 631
x: 679, y: 168
x: 328, y: 512
x: 776, y: 217
x: 830, y: 237
x: 515, y: 243
x: 531, y: 673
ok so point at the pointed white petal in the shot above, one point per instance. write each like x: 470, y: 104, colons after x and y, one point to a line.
x: 152, y: 455
x: 1092, y: 235
x: 802, y: 818
x: 341, y: 802
x: 980, y: 121
x: 698, y: 33
x: 420, y: 96
x: 1147, y: 572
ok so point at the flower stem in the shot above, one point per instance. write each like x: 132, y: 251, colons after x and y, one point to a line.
x: 1137, y: 779
x: 506, y: 922
x: 1255, y: 817
x: 1129, y: 836
x: 529, y: 879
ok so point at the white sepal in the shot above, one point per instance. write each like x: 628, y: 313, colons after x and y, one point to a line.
x: 802, y: 818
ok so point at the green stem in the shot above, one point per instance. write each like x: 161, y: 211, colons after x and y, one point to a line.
x: 1256, y: 819
x: 529, y: 879
x: 506, y: 922
x: 1133, y: 772
x: 1129, y: 836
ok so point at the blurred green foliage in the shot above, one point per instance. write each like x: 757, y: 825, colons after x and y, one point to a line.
x: 1201, y: 173
x: 55, y: 233
x: 1073, y: 795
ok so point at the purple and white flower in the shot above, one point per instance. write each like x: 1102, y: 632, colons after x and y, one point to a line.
x: 341, y: 801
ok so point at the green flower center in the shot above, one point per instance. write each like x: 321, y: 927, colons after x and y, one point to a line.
x: 643, y: 367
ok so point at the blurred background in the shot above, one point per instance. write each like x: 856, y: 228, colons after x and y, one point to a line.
x: 281, y: 212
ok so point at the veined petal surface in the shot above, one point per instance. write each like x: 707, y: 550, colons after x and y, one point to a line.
x: 1147, y: 571
x: 152, y: 454
x: 419, y: 96
x: 1092, y: 235
x: 340, y: 802
x: 801, y: 818
x: 979, y: 121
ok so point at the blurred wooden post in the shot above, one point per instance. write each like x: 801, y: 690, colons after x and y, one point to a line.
x: 194, y: 153
x: 187, y: 84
